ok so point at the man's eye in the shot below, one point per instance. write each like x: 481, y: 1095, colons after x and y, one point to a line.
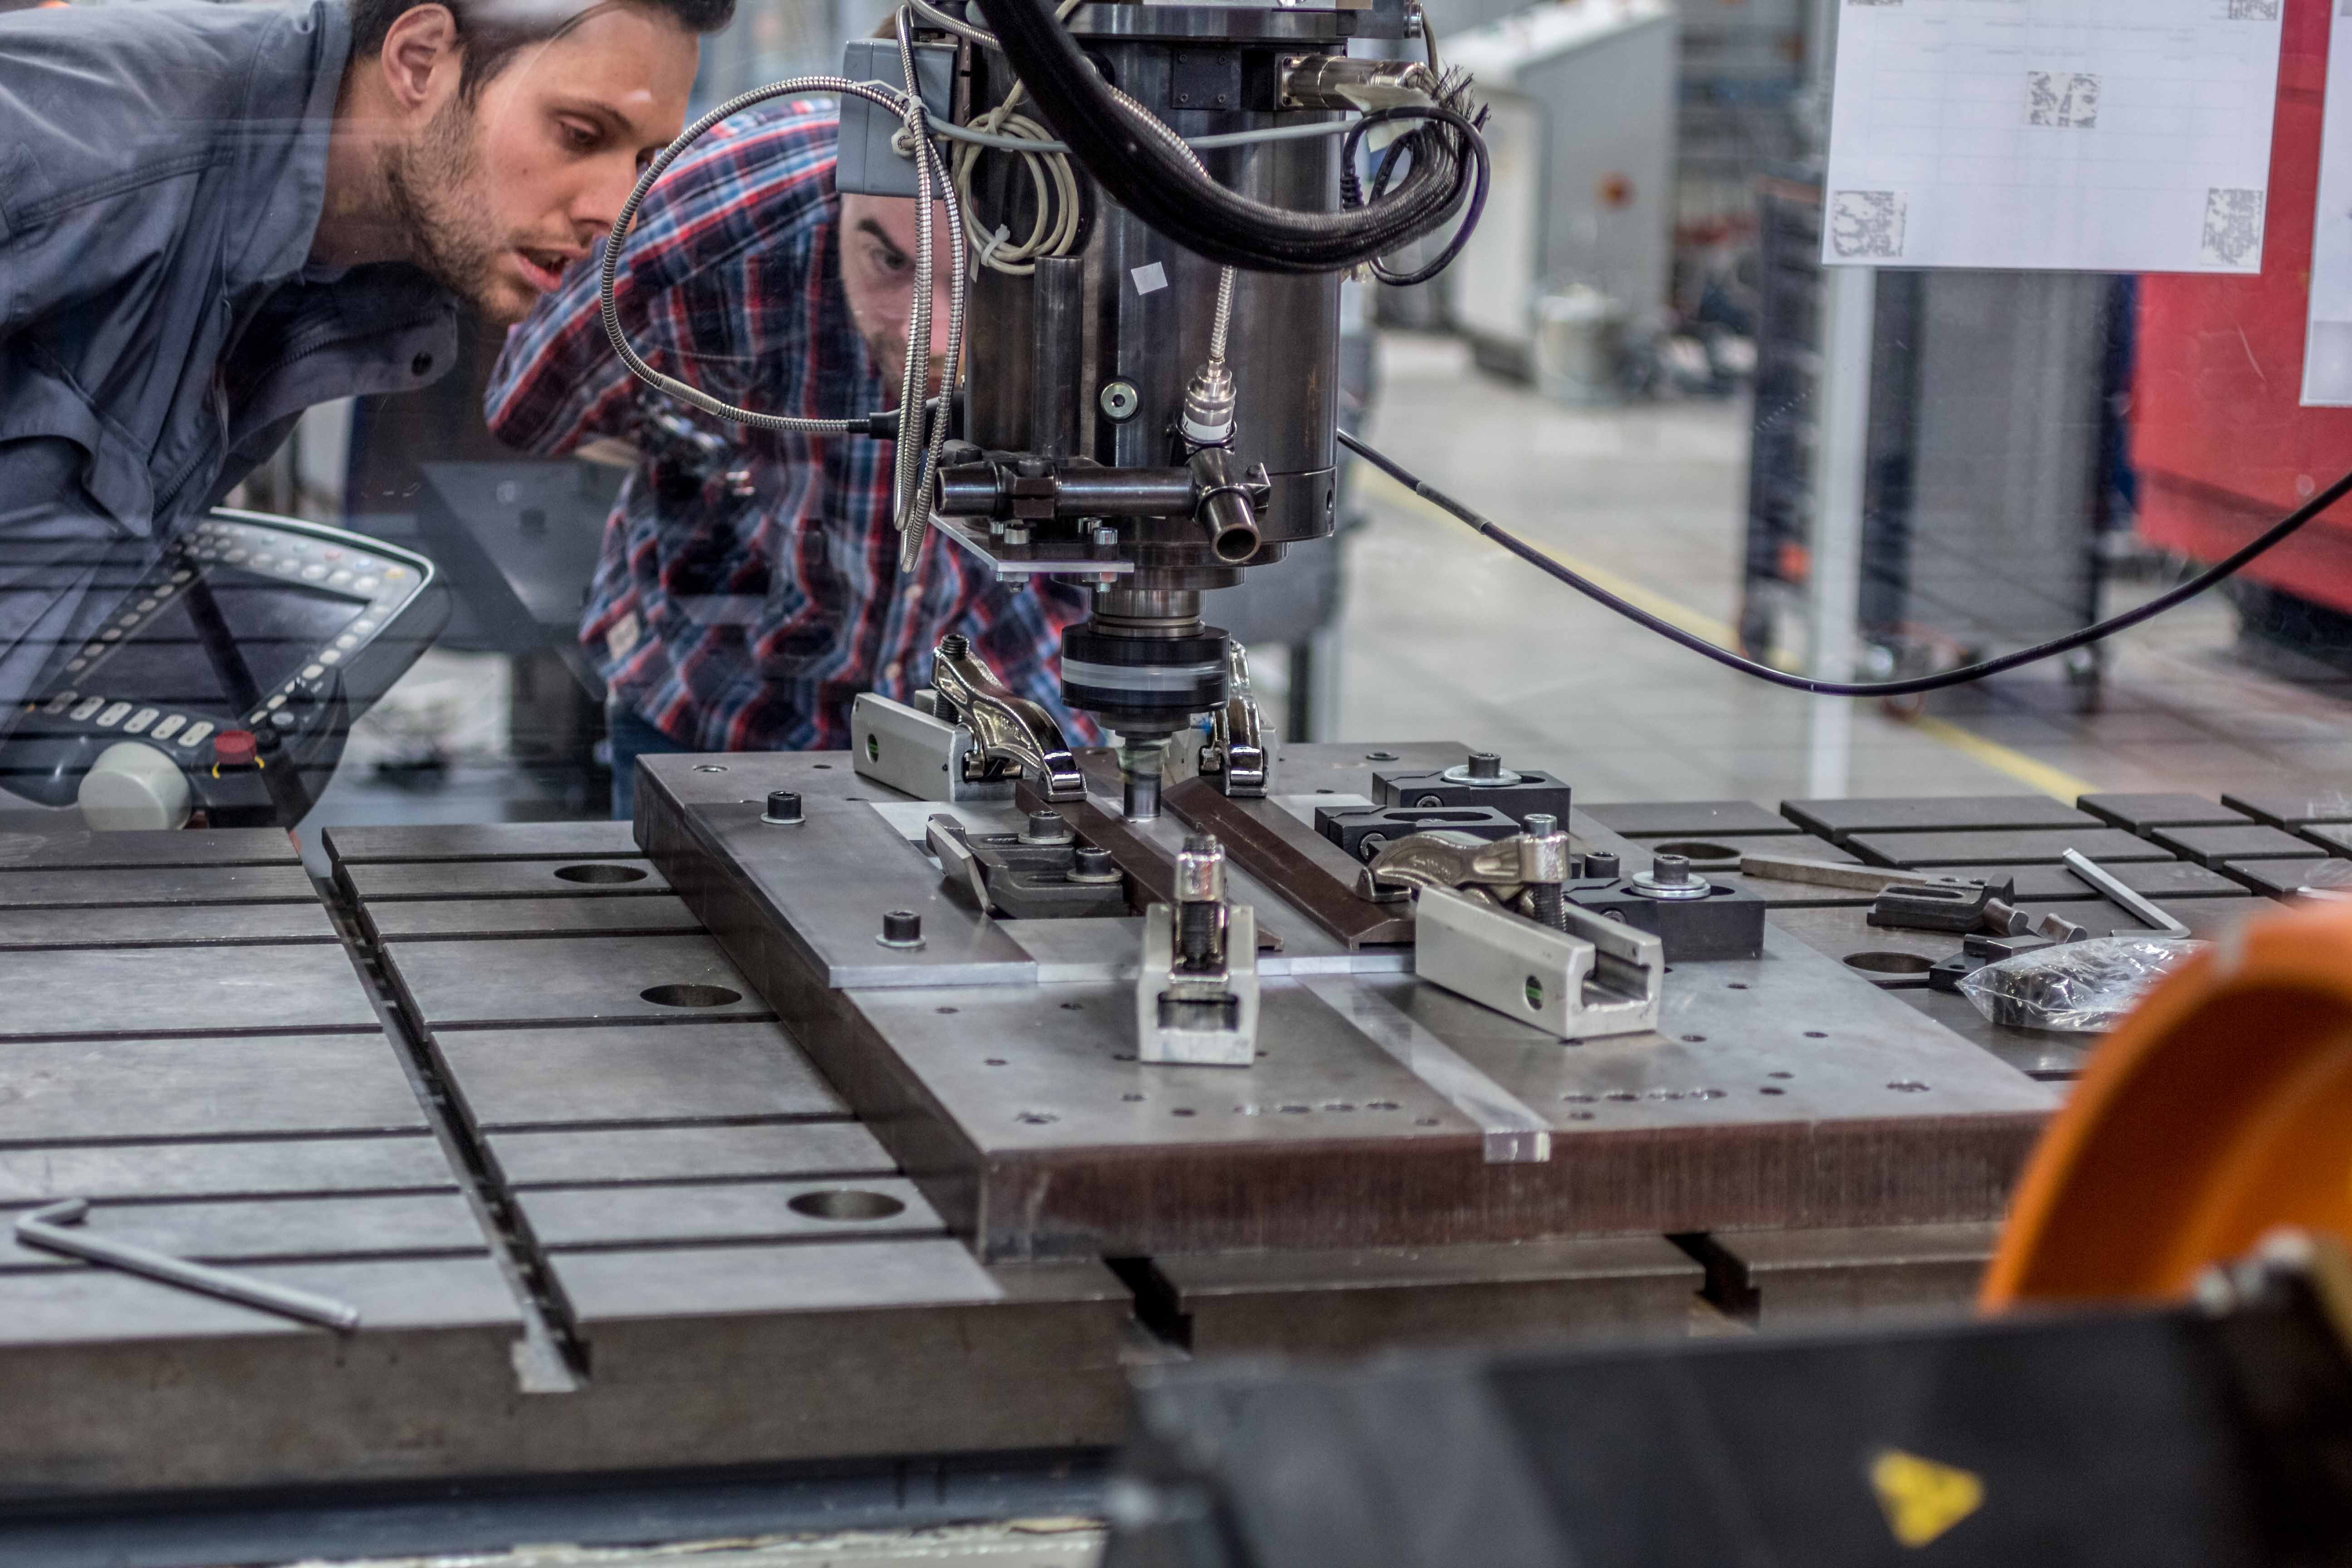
x: 891, y: 260
x: 579, y: 138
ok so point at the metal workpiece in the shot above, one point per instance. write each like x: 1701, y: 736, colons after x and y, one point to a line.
x: 570, y: 979
x: 1585, y: 979
x: 58, y: 1228
x: 2105, y: 882
x: 1340, y: 81
x: 1849, y: 874
x: 1196, y: 988
x: 1310, y: 873
x: 917, y: 753
x: 1008, y: 732
x: 1362, y: 833
x: 1777, y: 1091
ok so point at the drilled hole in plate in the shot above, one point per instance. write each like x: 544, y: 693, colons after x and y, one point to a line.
x: 710, y: 767
x: 1424, y: 1122
x: 822, y: 767
x: 1072, y: 1007
x: 1697, y: 849
x: 1780, y: 1075
x: 1579, y: 1116
x: 600, y: 875
x: 1383, y: 1105
x: 846, y: 1204
x: 1130, y: 1097
x: 1036, y: 1118
x: 1739, y: 985
x: 1182, y: 1110
x: 1694, y: 1040
x: 1379, y: 757
x: 1908, y: 1086
x: 1817, y: 1034
x: 993, y: 1061
x: 943, y: 1009
x: 1889, y: 963
x: 690, y: 995
x: 1771, y: 1090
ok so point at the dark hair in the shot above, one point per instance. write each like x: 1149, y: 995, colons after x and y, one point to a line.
x: 491, y: 41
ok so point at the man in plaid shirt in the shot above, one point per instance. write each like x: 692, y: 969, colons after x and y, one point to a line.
x: 748, y: 590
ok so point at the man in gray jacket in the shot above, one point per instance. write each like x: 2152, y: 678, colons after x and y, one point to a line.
x: 214, y: 216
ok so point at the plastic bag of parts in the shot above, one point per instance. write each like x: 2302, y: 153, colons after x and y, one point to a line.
x: 2081, y: 986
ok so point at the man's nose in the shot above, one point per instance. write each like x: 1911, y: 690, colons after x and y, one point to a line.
x: 597, y: 206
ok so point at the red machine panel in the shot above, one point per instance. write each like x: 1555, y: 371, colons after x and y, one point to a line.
x: 2222, y: 445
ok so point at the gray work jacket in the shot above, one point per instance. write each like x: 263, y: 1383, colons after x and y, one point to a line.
x: 161, y: 172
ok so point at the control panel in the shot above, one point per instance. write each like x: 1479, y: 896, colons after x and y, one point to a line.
x: 253, y: 641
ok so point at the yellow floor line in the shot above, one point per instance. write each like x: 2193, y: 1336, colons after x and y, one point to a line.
x: 1698, y: 623
x: 2034, y: 775
x: 2016, y: 765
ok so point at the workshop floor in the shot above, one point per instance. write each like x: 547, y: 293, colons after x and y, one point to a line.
x: 1447, y: 636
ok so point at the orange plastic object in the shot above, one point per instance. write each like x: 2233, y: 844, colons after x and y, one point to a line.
x: 2219, y: 1110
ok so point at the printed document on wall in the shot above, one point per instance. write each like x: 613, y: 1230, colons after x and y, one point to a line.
x: 2327, y: 342
x: 2098, y: 135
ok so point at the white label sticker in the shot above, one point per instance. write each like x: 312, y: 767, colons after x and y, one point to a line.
x: 623, y: 636
x: 1149, y: 278
x: 2098, y: 135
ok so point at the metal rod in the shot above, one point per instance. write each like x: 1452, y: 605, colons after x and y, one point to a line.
x: 46, y: 1229
x: 2108, y: 883
x: 1834, y: 874
x: 1057, y: 292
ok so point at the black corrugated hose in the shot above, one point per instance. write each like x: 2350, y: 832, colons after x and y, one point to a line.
x: 1157, y: 184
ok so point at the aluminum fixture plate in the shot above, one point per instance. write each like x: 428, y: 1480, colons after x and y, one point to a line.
x: 1777, y: 1091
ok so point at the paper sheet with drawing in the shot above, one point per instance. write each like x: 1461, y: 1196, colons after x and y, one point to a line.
x: 2099, y: 135
x: 2327, y: 340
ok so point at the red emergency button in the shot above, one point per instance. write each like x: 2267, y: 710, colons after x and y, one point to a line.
x: 233, y: 748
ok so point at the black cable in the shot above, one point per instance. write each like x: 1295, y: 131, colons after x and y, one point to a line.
x: 1159, y: 183
x: 2275, y: 534
x: 1349, y: 195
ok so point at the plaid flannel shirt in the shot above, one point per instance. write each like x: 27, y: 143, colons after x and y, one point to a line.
x: 739, y: 605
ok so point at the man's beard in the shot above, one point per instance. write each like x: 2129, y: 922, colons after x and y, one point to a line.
x: 888, y: 351
x: 434, y: 189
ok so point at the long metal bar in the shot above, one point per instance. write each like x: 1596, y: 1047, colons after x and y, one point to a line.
x: 1154, y: 873
x: 2111, y: 886
x: 1833, y: 874
x: 1515, y: 1134
x: 47, y: 1229
x: 1302, y: 866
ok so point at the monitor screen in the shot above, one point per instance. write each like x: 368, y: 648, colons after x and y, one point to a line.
x: 274, y: 627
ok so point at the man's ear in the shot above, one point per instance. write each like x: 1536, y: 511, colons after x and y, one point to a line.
x: 424, y: 42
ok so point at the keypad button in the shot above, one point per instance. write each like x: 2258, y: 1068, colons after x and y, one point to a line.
x: 333, y: 655
x: 312, y: 671
x: 366, y: 586
x: 338, y: 579
x: 137, y: 723
x: 168, y: 726
x: 113, y: 715
x: 60, y: 702
x: 274, y: 703
x: 195, y: 734
x: 347, y: 641
x: 314, y: 573
x: 90, y: 705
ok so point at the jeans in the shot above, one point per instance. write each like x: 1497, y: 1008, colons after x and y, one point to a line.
x: 631, y: 738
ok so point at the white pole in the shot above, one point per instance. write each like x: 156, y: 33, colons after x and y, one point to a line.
x: 1850, y: 299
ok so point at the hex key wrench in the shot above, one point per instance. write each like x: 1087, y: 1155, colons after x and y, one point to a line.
x: 47, y: 1229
